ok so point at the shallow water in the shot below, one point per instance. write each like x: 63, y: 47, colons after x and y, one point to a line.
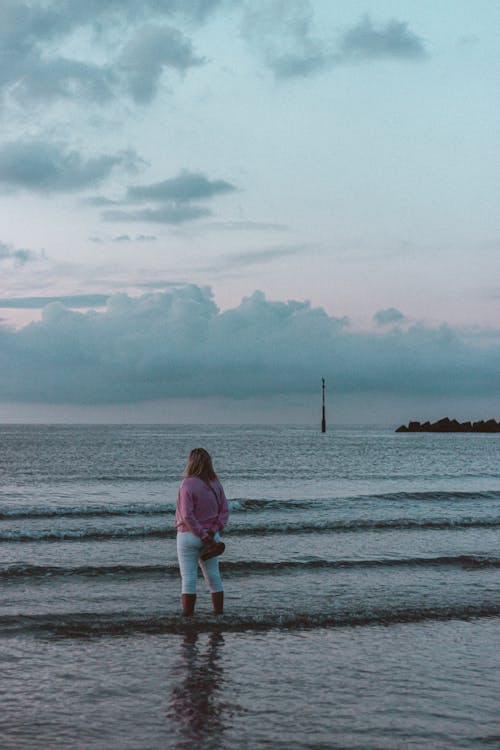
x: 361, y: 577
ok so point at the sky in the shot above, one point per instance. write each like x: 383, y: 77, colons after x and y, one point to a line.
x: 209, y: 205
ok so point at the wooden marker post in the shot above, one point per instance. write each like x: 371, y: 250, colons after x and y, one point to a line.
x: 323, y: 419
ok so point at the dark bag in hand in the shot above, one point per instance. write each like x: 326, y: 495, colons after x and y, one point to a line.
x: 211, y: 549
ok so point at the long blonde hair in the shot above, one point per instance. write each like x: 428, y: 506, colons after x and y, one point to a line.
x: 199, y: 464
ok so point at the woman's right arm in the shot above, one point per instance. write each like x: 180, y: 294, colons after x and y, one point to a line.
x: 223, y: 511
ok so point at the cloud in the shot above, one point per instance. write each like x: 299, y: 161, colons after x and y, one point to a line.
x: 281, y: 32
x: 98, y: 201
x: 101, y: 51
x: 247, y: 226
x: 148, y: 53
x: 48, y: 166
x: 137, y: 238
x: 19, y: 256
x: 61, y: 78
x: 234, y: 261
x: 177, y: 344
x: 92, y: 12
x: 125, y: 238
x: 261, y: 256
x: 169, y: 214
x: 159, y: 284
x: 29, y: 73
x: 388, y: 316
x: 71, y: 301
x: 121, y: 238
x: 187, y: 186
x: 392, y: 40
x: 176, y: 195
x: 34, y: 34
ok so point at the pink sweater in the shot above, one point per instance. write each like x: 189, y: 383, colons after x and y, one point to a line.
x: 198, y: 508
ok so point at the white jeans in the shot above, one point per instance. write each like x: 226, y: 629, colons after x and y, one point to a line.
x: 188, y: 552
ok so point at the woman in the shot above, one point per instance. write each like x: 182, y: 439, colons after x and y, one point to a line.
x: 202, y: 512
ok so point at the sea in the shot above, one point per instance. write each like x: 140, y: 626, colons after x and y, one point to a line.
x: 362, y: 596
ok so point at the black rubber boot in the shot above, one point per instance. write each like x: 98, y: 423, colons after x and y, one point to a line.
x: 188, y: 602
x: 218, y: 602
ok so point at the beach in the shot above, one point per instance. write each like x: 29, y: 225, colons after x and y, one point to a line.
x: 361, y: 577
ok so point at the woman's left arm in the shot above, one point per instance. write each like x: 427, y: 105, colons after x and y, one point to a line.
x: 185, y: 507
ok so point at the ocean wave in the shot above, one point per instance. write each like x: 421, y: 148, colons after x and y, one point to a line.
x: 244, y: 567
x: 435, y: 495
x: 133, y: 509
x: 362, y: 524
x: 257, y: 504
x: 85, y: 624
x: 86, y: 511
x: 84, y: 535
x: 358, y: 525
x: 235, y: 505
x: 147, y: 477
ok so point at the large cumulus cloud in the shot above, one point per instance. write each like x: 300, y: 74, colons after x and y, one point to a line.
x: 101, y: 50
x: 41, y: 61
x: 177, y: 344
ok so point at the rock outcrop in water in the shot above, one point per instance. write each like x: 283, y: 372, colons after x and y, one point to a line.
x: 451, y: 425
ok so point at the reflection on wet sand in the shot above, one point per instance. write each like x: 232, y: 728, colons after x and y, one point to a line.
x: 195, y: 710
